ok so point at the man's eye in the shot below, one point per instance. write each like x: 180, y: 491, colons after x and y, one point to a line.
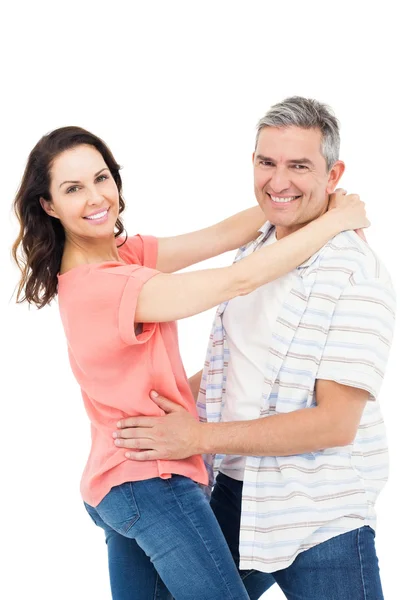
x: 72, y: 189
x: 266, y: 163
x: 299, y: 167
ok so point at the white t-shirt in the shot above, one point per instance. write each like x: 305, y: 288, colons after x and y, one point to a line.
x: 248, y: 322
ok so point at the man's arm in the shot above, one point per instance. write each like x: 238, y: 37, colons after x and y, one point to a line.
x: 332, y: 422
x: 354, y: 360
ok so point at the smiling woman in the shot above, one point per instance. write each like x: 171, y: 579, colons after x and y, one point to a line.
x: 118, y: 300
x: 42, y: 240
x: 99, y: 215
x: 80, y: 204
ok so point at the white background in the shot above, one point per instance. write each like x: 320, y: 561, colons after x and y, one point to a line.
x: 175, y: 89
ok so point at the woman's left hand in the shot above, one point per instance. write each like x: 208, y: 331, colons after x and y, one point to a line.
x: 333, y: 198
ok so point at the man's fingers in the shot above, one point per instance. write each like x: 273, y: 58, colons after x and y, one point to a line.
x: 135, y: 432
x: 136, y: 443
x: 168, y: 406
x: 136, y: 422
x: 141, y: 456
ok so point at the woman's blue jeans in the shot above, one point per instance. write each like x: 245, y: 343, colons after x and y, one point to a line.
x: 162, y: 533
x: 342, y: 568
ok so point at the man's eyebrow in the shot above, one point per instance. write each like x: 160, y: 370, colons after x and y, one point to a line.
x: 293, y: 161
x: 266, y: 158
x: 95, y: 175
x: 301, y: 161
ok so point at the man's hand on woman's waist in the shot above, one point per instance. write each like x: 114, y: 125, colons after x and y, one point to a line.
x: 176, y: 435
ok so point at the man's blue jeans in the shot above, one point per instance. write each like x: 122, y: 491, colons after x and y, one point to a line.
x: 343, y: 568
x: 163, y: 530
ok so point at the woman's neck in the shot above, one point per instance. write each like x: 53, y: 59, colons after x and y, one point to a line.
x: 76, y: 254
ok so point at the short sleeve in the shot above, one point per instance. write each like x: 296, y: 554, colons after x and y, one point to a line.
x: 360, y: 336
x: 140, y: 250
x: 98, y: 304
x: 138, y: 276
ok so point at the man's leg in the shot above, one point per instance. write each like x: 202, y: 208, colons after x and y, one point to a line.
x: 344, y: 567
x: 226, y: 502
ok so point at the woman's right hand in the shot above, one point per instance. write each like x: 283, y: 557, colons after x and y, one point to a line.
x: 349, y: 210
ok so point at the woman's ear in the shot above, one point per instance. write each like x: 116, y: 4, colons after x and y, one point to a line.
x: 335, y: 175
x: 48, y: 208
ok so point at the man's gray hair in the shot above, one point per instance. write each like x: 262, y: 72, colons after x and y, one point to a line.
x: 307, y: 114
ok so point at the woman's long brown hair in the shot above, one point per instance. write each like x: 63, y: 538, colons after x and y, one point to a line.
x: 39, y: 246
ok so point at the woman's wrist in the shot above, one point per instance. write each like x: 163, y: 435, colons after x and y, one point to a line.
x: 242, y: 228
x: 334, y: 222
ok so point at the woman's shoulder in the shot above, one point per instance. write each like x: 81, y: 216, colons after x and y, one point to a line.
x: 86, y: 274
x: 139, y: 250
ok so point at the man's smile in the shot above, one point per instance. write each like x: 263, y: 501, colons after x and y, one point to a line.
x: 283, y: 199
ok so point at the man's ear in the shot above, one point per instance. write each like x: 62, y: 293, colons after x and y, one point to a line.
x: 335, y: 175
x: 48, y: 208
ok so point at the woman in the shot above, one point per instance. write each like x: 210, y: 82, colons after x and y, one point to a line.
x: 118, y: 302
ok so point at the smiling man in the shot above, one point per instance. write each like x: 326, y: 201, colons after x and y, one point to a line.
x: 291, y: 423
x: 292, y: 178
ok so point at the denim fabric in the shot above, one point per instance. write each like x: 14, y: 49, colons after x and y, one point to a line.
x: 162, y: 531
x: 342, y: 568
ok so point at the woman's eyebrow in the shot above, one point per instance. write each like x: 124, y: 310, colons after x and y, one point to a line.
x: 96, y: 175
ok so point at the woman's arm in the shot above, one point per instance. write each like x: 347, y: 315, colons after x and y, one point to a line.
x: 171, y: 297
x: 178, y: 252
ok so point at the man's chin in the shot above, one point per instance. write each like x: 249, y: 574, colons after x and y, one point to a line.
x: 279, y: 220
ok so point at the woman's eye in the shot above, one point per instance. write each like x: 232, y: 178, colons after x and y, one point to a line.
x: 72, y: 189
x: 102, y: 178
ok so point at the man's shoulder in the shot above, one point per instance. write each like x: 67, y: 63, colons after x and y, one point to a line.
x: 349, y: 252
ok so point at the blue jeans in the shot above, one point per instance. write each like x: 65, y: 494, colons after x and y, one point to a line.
x: 161, y: 533
x: 342, y: 568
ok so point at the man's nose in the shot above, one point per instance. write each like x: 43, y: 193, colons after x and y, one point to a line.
x: 280, y: 180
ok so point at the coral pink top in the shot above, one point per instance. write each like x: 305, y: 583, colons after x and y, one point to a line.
x: 117, y: 368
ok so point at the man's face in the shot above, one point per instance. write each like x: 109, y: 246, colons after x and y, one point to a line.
x: 291, y: 180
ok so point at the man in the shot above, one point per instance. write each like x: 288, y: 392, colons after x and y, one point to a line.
x: 288, y: 395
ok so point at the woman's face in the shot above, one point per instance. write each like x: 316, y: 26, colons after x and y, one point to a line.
x: 84, y: 195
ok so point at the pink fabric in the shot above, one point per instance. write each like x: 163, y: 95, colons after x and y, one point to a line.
x: 117, y: 368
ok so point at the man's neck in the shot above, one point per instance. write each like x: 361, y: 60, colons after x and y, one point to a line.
x: 282, y: 232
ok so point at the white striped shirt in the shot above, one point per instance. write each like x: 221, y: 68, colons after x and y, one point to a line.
x: 336, y: 324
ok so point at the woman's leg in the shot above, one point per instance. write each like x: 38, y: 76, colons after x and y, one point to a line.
x: 172, y: 522
x: 132, y: 575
